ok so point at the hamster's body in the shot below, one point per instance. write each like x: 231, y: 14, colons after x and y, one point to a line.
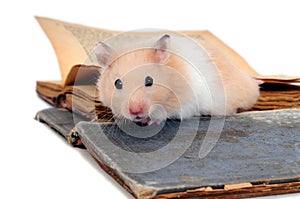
x: 148, y: 85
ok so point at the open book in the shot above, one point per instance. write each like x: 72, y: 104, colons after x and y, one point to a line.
x: 253, y: 157
x: 76, y: 90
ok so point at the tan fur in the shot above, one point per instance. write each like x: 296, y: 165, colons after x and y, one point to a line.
x: 241, y: 90
x: 132, y: 68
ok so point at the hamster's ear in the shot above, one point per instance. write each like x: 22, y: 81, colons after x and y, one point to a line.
x: 104, y: 54
x: 161, y: 49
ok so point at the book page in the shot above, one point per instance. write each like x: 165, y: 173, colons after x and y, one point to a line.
x: 279, y: 79
x: 73, y: 43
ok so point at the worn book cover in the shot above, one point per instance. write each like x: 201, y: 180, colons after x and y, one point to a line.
x: 257, y: 154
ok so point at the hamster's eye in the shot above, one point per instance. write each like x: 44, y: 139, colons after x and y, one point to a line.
x: 148, y: 81
x: 118, y: 84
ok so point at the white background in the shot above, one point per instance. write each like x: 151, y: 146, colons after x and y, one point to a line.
x: 35, y: 162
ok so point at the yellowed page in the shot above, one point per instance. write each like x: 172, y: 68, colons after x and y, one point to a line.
x: 233, y: 56
x: 279, y: 79
x: 72, y: 44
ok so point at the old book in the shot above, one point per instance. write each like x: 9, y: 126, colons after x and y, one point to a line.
x: 278, y: 92
x: 254, y: 154
x: 76, y: 90
x: 251, y: 156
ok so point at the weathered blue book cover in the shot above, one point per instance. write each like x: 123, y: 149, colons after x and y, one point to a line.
x: 245, y: 155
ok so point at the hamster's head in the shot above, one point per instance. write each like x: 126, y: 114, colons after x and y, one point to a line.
x: 140, y: 85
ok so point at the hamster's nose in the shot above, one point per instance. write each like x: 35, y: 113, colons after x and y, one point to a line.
x: 136, y: 109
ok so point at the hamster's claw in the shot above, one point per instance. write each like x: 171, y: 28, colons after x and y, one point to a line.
x: 148, y: 121
x: 154, y: 122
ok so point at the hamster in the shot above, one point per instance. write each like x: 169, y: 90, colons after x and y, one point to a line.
x: 149, y: 85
